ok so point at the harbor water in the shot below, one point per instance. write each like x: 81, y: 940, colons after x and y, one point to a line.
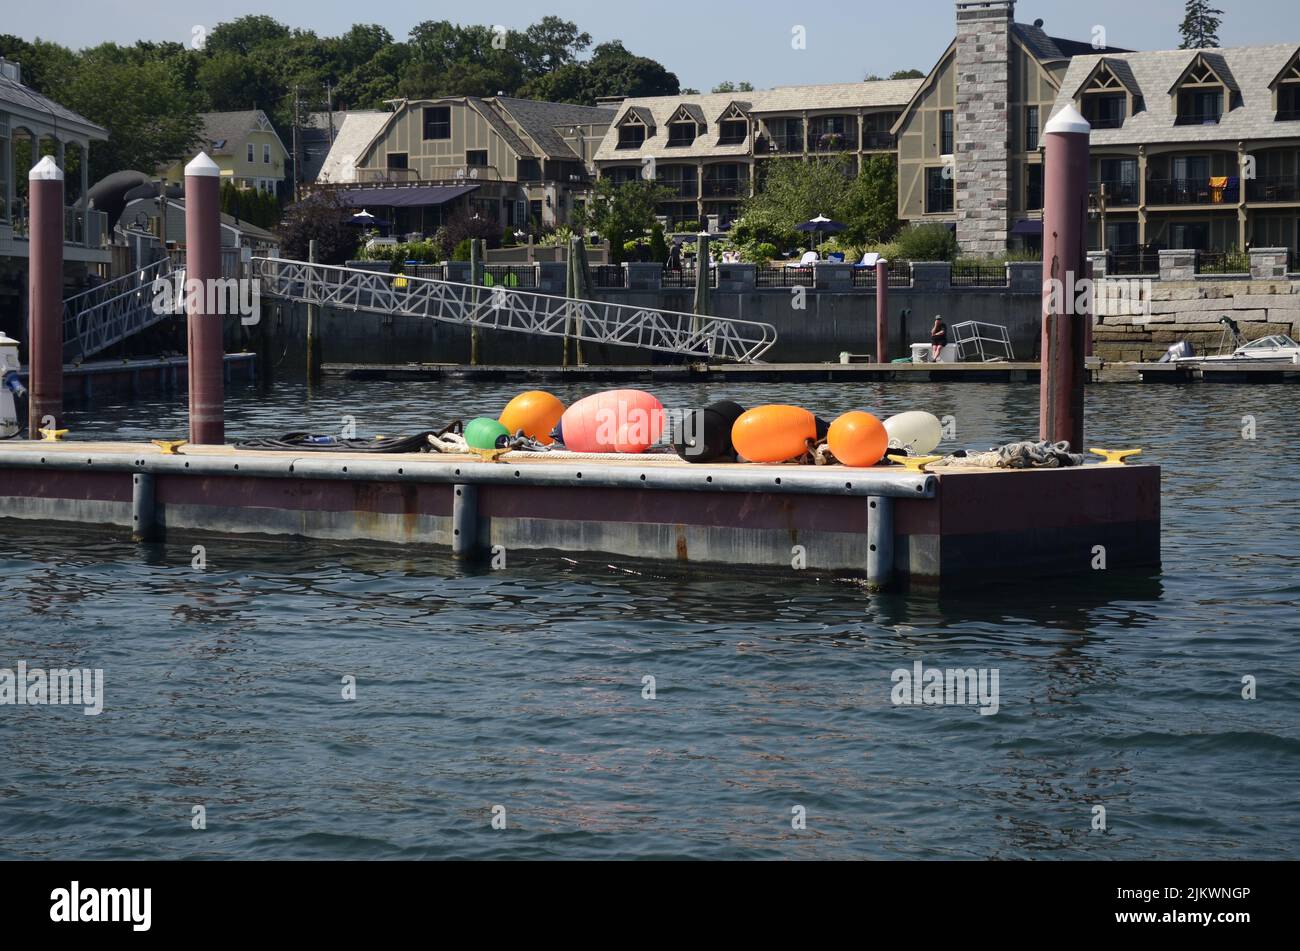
x: 615, y: 708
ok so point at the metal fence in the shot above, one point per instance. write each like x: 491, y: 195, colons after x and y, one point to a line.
x: 974, y: 274
x: 608, y: 275
x: 508, y: 275
x: 1222, y: 262
x: 1132, y: 260
x: 784, y: 277
x: 685, y: 277
x: 900, y: 275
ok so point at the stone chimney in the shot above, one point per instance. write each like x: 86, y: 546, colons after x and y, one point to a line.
x: 982, y: 137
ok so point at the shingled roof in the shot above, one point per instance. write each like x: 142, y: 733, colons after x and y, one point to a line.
x: 20, y: 99
x: 1252, y: 68
x: 540, y: 121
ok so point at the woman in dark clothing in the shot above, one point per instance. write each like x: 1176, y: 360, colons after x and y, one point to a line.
x: 938, y: 338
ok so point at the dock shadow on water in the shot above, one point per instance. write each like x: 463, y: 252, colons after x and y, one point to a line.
x: 612, y: 708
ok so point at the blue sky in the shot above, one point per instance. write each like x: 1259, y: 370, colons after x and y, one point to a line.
x: 703, y: 42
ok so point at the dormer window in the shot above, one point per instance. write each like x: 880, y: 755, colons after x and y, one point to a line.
x: 681, y: 133
x: 732, y: 131
x: 634, y: 128
x: 1203, y: 92
x: 631, y: 136
x: 1110, y: 95
x: 1286, y: 90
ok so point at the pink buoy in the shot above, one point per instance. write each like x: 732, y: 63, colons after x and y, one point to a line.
x: 628, y: 421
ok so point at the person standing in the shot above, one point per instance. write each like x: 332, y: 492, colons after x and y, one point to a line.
x: 938, y: 338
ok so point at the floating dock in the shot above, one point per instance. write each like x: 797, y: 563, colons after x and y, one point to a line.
x: 131, y: 378
x: 954, y: 527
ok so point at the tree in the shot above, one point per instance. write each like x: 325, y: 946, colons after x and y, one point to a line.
x: 611, y: 71
x: 1200, y: 27
x: 322, y: 218
x: 618, y: 212
x: 907, y: 74
x: 794, y: 192
x: 870, y: 209
x: 551, y: 43
x: 729, y: 86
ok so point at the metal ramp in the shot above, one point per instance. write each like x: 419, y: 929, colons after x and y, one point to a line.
x: 981, y: 342
x: 104, y: 315
x: 518, y: 311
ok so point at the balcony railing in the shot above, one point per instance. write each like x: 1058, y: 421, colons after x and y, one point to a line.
x: 1198, y: 118
x: 726, y: 188
x: 780, y: 144
x: 1192, y: 191
x: 876, y: 141
x: 439, y: 173
x: 78, y: 225
x: 1280, y: 188
x: 680, y: 188
x: 1106, y: 122
x: 1132, y: 260
x: 1119, y: 193
x: 832, y: 141
x: 685, y: 277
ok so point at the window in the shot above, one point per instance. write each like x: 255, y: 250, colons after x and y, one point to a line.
x: 1034, y: 188
x: 476, y: 158
x: 1120, y: 176
x: 1105, y: 111
x: 437, y: 122
x: 397, y: 160
x: 681, y: 133
x: 250, y: 151
x: 266, y: 154
x: 535, y: 212
x: 945, y: 132
x: 938, y: 191
x: 1288, y: 103
x: 732, y: 131
x: 1192, y: 168
x: 631, y: 136
x: 1200, y: 107
x: 1031, y: 128
x: 529, y: 170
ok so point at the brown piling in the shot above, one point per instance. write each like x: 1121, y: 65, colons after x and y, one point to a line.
x: 202, y: 270
x: 45, y: 297
x: 882, y: 311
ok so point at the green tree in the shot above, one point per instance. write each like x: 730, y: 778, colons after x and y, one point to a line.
x: 870, y: 208
x: 623, y: 211
x: 322, y: 218
x: 729, y: 86
x: 907, y: 74
x: 245, y: 34
x: 1200, y: 26
x: 793, y: 192
x: 611, y: 71
x: 551, y: 43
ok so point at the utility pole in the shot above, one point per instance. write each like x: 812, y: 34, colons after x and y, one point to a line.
x: 296, y: 113
x: 329, y: 108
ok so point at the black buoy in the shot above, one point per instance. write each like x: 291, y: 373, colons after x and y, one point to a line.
x: 704, y: 435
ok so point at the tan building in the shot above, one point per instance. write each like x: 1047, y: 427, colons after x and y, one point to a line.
x: 968, y: 142
x: 711, y: 149
x: 1192, y: 149
x: 245, y: 147
x: 518, y: 161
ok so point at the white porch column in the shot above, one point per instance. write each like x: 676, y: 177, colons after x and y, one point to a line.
x: 85, y: 192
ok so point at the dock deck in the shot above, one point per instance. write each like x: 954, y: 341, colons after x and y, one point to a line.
x: 953, y: 526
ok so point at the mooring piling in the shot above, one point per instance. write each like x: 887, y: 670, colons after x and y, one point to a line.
x: 882, y: 311
x: 45, y: 297
x: 1065, y: 266
x: 203, y: 270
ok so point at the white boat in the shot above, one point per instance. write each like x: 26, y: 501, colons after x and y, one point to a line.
x: 1278, y: 348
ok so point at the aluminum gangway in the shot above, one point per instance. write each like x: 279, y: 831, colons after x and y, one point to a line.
x: 498, y: 307
x: 102, y: 316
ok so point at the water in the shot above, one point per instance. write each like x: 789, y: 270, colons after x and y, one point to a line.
x: 523, y: 688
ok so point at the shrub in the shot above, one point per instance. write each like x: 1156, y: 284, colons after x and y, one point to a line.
x: 927, y: 243
x: 461, y: 252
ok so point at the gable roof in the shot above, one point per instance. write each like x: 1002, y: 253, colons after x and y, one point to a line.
x: 657, y: 111
x: 1216, y: 61
x: 1119, y: 68
x: 1252, y: 69
x: 1286, y: 67
x: 23, y: 101
x: 226, y: 133
x: 1054, y: 48
x: 351, y: 139
x: 541, y: 122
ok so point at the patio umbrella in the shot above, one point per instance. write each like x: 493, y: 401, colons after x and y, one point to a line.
x: 821, y: 225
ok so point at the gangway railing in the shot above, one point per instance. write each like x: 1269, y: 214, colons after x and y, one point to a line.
x: 520, y: 311
x: 102, y: 316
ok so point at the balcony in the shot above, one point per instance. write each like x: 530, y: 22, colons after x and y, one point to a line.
x: 832, y: 141
x: 1277, y: 189
x: 780, y: 145
x: 679, y: 187
x: 439, y: 173
x: 1119, y: 193
x: 726, y: 188
x: 1191, y: 191
x: 878, y: 141
x: 1198, y: 118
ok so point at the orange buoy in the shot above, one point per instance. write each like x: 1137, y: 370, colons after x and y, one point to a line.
x: 614, y: 421
x: 773, y: 433
x: 858, y: 439
x: 534, y: 413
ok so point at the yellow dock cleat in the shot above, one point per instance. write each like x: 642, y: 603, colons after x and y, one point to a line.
x: 52, y: 435
x: 914, y: 463
x: 1115, y: 458
x: 489, y: 455
x: 169, y: 447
